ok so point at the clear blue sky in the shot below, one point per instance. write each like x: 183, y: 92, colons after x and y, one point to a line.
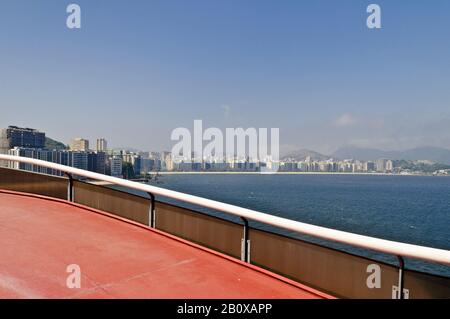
x: 138, y: 69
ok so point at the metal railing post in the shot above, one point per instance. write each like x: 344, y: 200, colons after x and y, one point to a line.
x: 245, y: 242
x: 152, y: 211
x: 69, y: 187
x: 401, y: 270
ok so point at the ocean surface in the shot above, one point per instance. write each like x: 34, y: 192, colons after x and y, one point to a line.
x: 410, y: 209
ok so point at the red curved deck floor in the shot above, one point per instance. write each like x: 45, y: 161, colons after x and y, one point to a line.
x: 40, y: 237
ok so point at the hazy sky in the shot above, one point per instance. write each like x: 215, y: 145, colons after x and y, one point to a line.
x: 138, y: 69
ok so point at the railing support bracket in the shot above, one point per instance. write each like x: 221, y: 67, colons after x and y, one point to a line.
x: 399, y: 292
x: 152, y: 211
x: 69, y: 187
x: 245, y: 242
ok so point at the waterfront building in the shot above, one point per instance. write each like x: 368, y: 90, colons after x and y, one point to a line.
x: 155, y: 155
x: 289, y: 166
x: 101, y: 162
x: 324, y: 167
x: 91, y: 161
x: 79, y: 159
x: 144, y: 155
x: 389, y: 166
x: 24, y: 152
x: 183, y: 166
x: 14, y: 136
x: 219, y: 166
x: 369, y: 166
x: 196, y: 167
x: 102, y: 145
x: 167, y: 161
x: 79, y: 144
x: 381, y: 165
x: 134, y: 159
x: 147, y: 165
x: 116, y: 166
x: 97, y: 162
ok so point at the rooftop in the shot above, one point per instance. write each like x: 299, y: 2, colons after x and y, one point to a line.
x: 118, y: 258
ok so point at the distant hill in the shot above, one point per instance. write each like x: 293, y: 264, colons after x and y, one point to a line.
x: 435, y: 154
x: 301, y: 155
x: 54, y: 145
x: 358, y: 153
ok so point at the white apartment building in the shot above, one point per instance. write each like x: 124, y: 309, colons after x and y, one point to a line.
x: 79, y: 144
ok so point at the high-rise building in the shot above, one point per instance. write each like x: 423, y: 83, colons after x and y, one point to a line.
x: 102, y: 145
x: 4, y: 143
x: 80, y: 160
x: 381, y: 165
x: 79, y: 144
x: 389, y: 166
x: 155, y: 155
x: 91, y: 161
x: 134, y: 159
x: 369, y: 166
x: 101, y: 163
x: 116, y: 166
x: 168, y: 161
x: 147, y: 165
x: 14, y: 136
x: 18, y: 151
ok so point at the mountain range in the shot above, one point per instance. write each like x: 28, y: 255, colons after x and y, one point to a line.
x: 435, y: 154
x: 302, y: 154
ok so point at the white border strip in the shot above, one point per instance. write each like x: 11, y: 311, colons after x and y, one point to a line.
x: 380, y: 245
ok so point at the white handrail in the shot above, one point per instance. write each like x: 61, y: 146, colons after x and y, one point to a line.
x: 376, y: 244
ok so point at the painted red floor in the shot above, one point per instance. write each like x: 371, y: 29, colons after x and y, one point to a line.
x: 39, y: 238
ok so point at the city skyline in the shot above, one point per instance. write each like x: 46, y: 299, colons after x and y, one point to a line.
x: 28, y: 142
x: 313, y: 70
x: 102, y: 143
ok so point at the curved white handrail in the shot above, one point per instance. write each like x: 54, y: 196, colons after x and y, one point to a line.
x: 380, y: 245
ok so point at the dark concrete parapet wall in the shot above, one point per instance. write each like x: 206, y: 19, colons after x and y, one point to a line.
x: 34, y: 183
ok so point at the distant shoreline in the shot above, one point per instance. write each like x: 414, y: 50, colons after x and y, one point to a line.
x: 287, y: 173
x: 103, y: 183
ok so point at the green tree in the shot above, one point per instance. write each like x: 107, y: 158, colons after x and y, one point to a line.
x: 128, y: 170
